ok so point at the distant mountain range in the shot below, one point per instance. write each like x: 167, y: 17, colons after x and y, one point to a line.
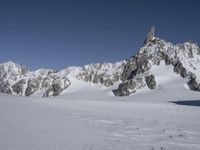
x: 132, y: 75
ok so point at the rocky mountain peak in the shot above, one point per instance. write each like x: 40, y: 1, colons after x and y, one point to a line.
x: 12, y: 69
x: 133, y: 74
x: 150, y: 36
x: 184, y: 58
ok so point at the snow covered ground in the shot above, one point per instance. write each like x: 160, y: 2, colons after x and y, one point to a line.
x: 89, y: 117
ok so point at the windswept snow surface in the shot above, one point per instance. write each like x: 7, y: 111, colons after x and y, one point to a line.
x: 90, y: 118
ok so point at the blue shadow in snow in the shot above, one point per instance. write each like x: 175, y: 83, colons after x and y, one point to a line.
x: 187, y: 102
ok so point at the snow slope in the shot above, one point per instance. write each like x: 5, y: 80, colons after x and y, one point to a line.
x: 79, y: 120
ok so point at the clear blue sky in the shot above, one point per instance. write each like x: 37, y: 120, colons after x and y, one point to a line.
x: 59, y: 33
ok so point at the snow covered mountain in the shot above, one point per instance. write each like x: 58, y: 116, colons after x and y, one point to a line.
x: 16, y: 79
x: 184, y: 58
x: 133, y: 75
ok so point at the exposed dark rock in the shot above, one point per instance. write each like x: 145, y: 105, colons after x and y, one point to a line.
x: 33, y: 85
x: 54, y: 90
x: 178, y: 68
x: 133, y: 74
x: 96, y: 78
x: 135, y: 65
x: 193, y: 85
x: 150, y: 35
x: 128, y: 70
x: 184, y: 73
x: 48, y: 92
x: 46, y: 82
x: 129, y: 86
x: 57, y: 87
x: 108, y: 82
x: 168, y: 61
x: 190, y: 53
x: 18, y: 87
x: 151, y: 82
x: 5, y: 88
x: 88, y: 77
x: 123, y: 89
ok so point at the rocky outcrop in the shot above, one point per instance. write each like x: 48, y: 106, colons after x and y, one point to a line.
x: 57, y: 87
x: 150, y: 35
x: 150, y: 81
x: 130, y: 86
x: 11, y: 71
x: 194, y: 85
x: 11, y: 75
x: 100, y: 73
x: 135, y: 65
x: 18, y: 87
x: 178, y: 68
x: 33, y: 85
x: 130, y: 70
x: 5, y: 88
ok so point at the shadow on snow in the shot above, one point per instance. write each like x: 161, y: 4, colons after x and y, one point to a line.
x: 187, y: 102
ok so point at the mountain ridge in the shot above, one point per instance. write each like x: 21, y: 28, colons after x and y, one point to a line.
x: 133, y: 73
